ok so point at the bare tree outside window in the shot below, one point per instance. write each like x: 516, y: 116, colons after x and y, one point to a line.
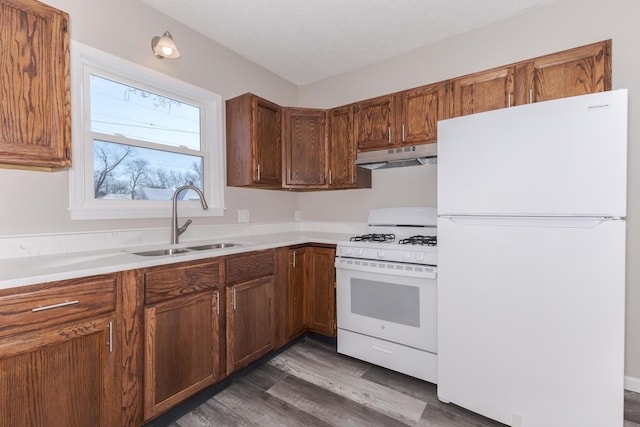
x: 138, y: 170
x: 105, y: 161
x: 131, y: 169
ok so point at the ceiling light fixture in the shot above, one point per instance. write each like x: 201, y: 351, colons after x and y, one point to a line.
x: 165, y: 47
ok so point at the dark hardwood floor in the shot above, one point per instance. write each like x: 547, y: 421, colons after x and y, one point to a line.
x: 309, y: 384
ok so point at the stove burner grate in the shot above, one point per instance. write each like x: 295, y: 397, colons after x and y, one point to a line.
x: 419, y: 240
x: 374, y: 238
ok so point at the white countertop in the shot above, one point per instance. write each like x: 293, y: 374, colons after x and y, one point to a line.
x: 32, y: 270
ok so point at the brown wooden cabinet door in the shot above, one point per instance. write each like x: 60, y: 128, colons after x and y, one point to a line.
x: 304, y: 138
x: 374, y: 122
x: 249, y: 322
x: 280, y: 299
x: 66, y: 376
x: 483, y: 91
x: 419, y: 112
x: 296, y: 310
x: 573, y: 72
x: 34, y: 89
x: 182, y: 350
x: 342, y: 148
x: 254, y: 148
x: 321, y: 291
x: 266, y: 139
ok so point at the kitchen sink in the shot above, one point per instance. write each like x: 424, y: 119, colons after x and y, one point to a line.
x: 160, y: 252
x: 213, y: 246
x: 175, y: 251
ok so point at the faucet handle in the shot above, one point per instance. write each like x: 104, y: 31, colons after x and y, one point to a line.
x: 184, y: 227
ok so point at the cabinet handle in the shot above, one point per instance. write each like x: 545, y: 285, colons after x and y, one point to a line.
x: 258, y: 171
x: 330, y: 178
x: 217, y: 302
x: 289, y: 176
x: 530, y: 96
x: 403, y: 132
x: 49, y: 307
x: 389, y: 130
x: 509, y: 99
x: 234, y: 299
x: 110, y: 337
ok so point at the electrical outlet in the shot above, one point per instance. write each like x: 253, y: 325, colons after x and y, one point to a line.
x: 243, y: 215
x: 296, y: 215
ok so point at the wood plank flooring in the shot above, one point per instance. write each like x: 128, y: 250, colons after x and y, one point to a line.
x: 309, y: 384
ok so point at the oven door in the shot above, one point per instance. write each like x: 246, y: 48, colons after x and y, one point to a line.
x: 388, y: 300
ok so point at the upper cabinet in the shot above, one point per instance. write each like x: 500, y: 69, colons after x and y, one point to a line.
x: 483, y: 91
x: 290, y: 148
x: 254, y: 150
x: 419, y: 111
x: 405, y: 118
x: 319, y: 147
x: 304, y: 139
x: 35, y: 102
x: 573, y: 72
x: 343, y: 172
x: 374, y: 119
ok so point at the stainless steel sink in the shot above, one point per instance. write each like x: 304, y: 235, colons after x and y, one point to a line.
x: 213, y: 246
x: 160, y: 252
x: 175, y: 251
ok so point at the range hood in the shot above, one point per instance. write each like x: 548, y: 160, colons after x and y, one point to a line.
x: 414, y: 155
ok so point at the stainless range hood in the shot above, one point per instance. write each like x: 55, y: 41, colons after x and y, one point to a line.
x: 397, y: 157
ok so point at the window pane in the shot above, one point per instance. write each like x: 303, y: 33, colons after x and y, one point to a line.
x: 133, y: 173
x: 119, y: 109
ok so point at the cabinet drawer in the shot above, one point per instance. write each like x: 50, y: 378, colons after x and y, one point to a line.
x: 249, y: 266
x: 172, y: 281
x: 56, y: 303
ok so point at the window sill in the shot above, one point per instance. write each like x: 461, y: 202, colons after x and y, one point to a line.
x: 159, y: 210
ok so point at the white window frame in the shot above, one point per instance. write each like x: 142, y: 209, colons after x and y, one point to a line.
x: 82, y: 204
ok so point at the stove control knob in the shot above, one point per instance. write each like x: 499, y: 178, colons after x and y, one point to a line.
x: 360, y: 252
x: 407, y: 256
x: 380, y: 254
x: 420, y: 257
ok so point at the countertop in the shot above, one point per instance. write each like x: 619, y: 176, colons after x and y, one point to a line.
x: 15, y: 272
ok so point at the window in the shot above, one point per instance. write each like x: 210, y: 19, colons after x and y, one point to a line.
x: 138, y: 135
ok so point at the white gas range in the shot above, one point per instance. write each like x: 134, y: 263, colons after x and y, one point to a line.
x: 386, y: 292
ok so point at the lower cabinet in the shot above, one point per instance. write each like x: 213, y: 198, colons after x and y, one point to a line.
x: 123, y: 348
x: 306, y: 299
x: 296, y: 306
x: 182, y: 352
x: 250, y: 309
x: 249, y: 322
x: 321, y: 290
x: 59, y: 357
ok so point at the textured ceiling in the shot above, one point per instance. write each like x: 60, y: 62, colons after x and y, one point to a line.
x: 308, y: 40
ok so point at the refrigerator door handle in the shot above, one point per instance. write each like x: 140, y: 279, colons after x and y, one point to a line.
x: 531, y: 221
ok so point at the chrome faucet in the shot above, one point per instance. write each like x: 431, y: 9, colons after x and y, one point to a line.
x: 175, y: 230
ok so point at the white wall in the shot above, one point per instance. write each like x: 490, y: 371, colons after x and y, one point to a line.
x: 559, y: 26
x: 36, y: 202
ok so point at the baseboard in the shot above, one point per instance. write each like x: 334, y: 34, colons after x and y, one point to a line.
x: 632, y: 384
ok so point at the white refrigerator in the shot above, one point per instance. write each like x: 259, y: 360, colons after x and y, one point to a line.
x: 531, y: 261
